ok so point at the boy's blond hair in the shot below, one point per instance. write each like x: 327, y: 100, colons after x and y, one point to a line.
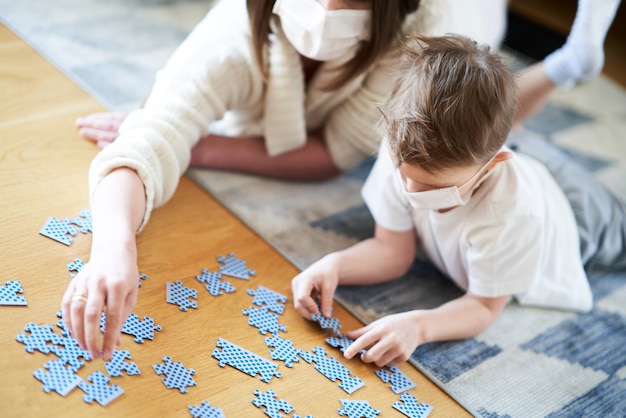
x: 453, y: 104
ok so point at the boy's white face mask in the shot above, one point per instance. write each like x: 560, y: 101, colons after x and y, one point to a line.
x: 444, y: 198
x: 321, y: 34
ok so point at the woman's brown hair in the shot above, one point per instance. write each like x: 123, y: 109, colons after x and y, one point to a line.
x: 387, y: 19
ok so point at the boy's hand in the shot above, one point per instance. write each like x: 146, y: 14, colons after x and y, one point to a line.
x: 389, y: 341
x: 319, y: 281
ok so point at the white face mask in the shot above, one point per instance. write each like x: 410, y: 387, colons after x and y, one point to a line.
x: 321, y: 34
x: 444, y: 198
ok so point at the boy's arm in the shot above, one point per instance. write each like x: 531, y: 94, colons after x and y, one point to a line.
x: 392, y: 339
x: 389, y: 254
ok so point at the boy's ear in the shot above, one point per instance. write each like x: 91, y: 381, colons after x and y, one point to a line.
x: 500, y: 157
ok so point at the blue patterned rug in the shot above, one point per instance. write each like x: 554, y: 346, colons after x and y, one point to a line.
x: 531, y: 363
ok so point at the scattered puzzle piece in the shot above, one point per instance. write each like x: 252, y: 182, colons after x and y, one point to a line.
x: 272, y: 406
x: 38, y: 338
x: 83, y: 221
x: 205, y: 411
x: 177, y: 375
x: 399, y: 381
x: 140, y: 329
x: 214, y: 284
x: 244, y: 360
x: 357, y: 409
x: 284, y: 350
x: 59, y: 230
x: 268, y: 298
x: 75, y: 266
x: 234, y: 267
x: 327, y: 323
x: 99, y: 390
x: 57, y: 378
x: 408, y: 406
x: 177, y: 294
x: 141, y: 277
x: 333, y: 369
x: 118, y: 363
x: 341, y: 342
x: 69, y: 351
x: 264, y: 320
x: 9, y: 294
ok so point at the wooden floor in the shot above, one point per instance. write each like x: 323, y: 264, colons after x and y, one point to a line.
x: 43, y: 172
x: 558, y: 16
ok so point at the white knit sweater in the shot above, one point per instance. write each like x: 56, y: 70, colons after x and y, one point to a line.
x: 212, y: 80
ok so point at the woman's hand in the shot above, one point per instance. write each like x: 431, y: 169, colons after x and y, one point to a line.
x: 101, y: 128
x: 108, y: 283
x: 389, y: 341
x: 319, y: 281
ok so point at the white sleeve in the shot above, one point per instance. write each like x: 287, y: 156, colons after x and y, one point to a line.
x: 383, y: 195
x: 211, y: 72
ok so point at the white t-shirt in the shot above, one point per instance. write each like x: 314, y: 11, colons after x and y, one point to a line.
x: 516, y: 235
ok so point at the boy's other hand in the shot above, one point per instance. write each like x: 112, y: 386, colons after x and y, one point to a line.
x: 101, y: 128
x: 388, y: 341
x: 319, y: 281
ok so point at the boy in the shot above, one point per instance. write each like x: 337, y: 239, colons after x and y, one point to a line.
x: 495, y: 222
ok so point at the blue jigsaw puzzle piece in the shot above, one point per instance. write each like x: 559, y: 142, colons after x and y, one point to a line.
x: 234, y: 267
x: 333, y: 369
x: 399, y: 381
x: 327, y: 323
x: 408, y: 406
x: 57, y: 377
x: 59, y: 230
x: 357, y: 409
x: 214, y: 283
x: 264, y: 320
x: 268, y: 298
x: 10, y: 293
x: 272, y: 406
x: 83, y: 221
x: 119, y: 362
x: 38, y: 338
x: 69, y: 351
x: 244, y: 360
x: 140, y: 329
x: 99, y: 390
x: 284, y: 350
x: 177, y: 294
x: 205, y: 411
x: 75, y: 266
x: 177, y: 376
x: 341, y: 342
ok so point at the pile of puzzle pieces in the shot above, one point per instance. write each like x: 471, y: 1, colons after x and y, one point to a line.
x: 60, y: 374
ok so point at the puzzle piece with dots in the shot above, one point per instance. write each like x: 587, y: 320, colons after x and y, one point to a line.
x: 400, y: 382
x: 140, y: 329
x: 177, y: 294
x: 327, y: 323
x: 234, y: 267
x: 244, y: 360
x: 214, y: 283
x: 37, y: 338
x: 177, y: 376
x: 62, y: 230
x: 264, y: 320
x: 99, y: 390
x: 268, y: 298
x: 205, y: 411
x: 408, y: 406
x: 357, y: 409
x: 333, y: 369
x: 10, y: 293
x: 119, y: 362
x: 57, y: 377
x: 283, y: 350
x: 272, y: 406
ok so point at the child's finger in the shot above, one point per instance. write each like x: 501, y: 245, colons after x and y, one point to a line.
x: 362, y: 342
x: 326, y: 299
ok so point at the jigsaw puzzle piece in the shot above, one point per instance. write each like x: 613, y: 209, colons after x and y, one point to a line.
x: 214, y: 283
x: 327, y: 323
x: 244, y: 360
x: 264, y: 320
x: 177, y: 376
x: 177, y: 294
x: 408, y: 406
x: 118, y: 363
x: 69, y: 351
x: 205, y: 411
x: 99, y: 390
x: 272, y: 406
x: 284, y: 350
x: 268, y: 298
x: 57, y: 377
x: 59, y: 230
x: 10, y: 293
x: 140, y: 329
x: 83, y: 221
x: 357, y: 409
x: 333, y: 369
x: 234, y: 267
x: 399, y: 381
x: 38, y: 337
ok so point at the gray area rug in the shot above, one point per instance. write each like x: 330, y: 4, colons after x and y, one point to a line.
x: 531, y: 363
